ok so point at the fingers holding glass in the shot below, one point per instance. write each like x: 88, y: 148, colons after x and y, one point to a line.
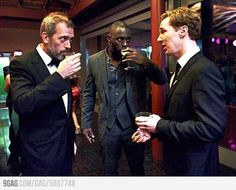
x: 141, y: 136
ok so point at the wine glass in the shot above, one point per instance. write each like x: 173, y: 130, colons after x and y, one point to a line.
x: 123, y: 53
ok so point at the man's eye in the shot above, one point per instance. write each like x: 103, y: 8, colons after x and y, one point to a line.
x: 123, y: 39
x: 63, y: 39
x: 119, y: 39
x: 128, y: 39
x: 162, y: 31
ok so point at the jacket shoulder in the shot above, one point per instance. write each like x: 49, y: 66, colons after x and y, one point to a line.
x: 27, y: 57
x: 205, y: 63
x: 97, y: 55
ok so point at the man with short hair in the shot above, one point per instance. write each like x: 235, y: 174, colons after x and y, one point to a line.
x: 194, y: 112
x: 120, y: 82
x: 41, y: 94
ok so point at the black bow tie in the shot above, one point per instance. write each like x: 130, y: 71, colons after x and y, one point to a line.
x: 54, y: 62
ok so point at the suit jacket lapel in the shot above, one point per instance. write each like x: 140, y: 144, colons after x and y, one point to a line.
x: 103, y: 63
x: 129, y: 83
x: 184, y: 70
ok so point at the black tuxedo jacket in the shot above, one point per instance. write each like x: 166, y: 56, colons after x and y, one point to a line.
x: 46, y: 130
x: 195, y: 119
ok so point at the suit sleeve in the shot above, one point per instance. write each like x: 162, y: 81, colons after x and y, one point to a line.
x: 89, y: 98
x: 30, y: 96
x: 152, y: 71
x: 208, y: 122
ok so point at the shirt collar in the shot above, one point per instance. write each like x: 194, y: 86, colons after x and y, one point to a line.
x: 45, y: 57
x: 186, y: 57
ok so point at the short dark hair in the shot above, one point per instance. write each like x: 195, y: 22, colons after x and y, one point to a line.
x: 117, y: 24
x: 51, y: 20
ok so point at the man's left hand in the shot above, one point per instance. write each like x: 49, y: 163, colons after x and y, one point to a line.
x: 141, y: 136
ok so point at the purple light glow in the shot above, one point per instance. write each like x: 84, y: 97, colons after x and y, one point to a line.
x: 226, y: 40
x: 218, y: 41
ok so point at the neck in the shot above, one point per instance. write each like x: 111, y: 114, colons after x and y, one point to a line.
x: 186, y: 46
x: 44, y: 48
x: 114, y: 55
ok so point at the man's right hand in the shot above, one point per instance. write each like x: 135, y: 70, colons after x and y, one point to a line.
x: 88, y: 133
x: 69, y: 66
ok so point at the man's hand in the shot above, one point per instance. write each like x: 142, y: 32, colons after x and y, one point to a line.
x: 69, y: 66
x: 132, y: 55
x: 148, y: 123
x: 88, y: 133
x: 141, y: 136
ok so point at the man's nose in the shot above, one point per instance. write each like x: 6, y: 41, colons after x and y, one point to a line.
x: 68, y: 44
x: 159, y: 39
x: 125, y: 43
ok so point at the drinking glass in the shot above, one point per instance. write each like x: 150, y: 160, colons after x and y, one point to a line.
x: 68, y: 54
x: 142, y: 132
x: 123, y: 53
x: 143, y: 114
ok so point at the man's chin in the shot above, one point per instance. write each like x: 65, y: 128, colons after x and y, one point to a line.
x: 61, y: 57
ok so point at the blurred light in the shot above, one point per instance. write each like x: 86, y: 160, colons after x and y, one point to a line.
x: 218, y: 40
x: 234, y: 43
x: 226, y: 40
x: 17, y: 53
x: 212, y: 39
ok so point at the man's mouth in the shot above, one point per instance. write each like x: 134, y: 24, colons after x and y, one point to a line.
x: 164, y: 47
x: 64, y: 53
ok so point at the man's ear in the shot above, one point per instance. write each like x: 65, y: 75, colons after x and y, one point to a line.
x: 183, y: 31
x: 45, y: 37
x: 108, y: 37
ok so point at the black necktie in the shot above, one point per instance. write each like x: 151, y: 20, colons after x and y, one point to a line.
x: 54, y: 62
x: 177, y: 68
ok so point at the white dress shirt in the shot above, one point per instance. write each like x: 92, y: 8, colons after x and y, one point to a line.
x: 184, y: 59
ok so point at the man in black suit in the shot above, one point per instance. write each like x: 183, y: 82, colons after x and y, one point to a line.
x: 194, y: 113
x: 41, y: 95
x: 121, y: 92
